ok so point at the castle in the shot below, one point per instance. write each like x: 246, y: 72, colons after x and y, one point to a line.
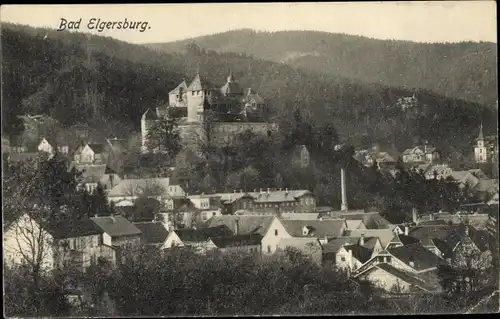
x: 210, y: 112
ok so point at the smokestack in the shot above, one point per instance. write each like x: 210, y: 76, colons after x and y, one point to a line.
x: 343, y: 206
x: 350, y: 259
x: 362, y: 240
x: 236, y: 227
x: 406, y: 230
x: 414, y: 215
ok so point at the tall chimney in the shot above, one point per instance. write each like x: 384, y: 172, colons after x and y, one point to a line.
x: 350, y: 259
x: 343, y: 206
x: 362, y: 240
x: 236, y: 227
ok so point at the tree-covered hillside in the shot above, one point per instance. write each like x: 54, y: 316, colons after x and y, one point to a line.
x: 465, y: 70
x: 76, y: 79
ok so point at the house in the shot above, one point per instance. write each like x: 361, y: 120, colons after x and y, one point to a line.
x: 208, y: 206
x: 154, y: 233
x: 369, y: 157
x: 159, y: 188
x: 403, y: 269
x: 299, y: 156
x: 199, y: 239
x: 91, y: 153
x: 81, y: 243
x: 421, y: 154
x: 310, y: 247
x: 5, y: 145
x: 94, y: 174
x: 321, y: 229
x: 286, y: 200
x: 24, y: 237
x: 249, y: 243
x: 123, y: 233
x: 282, y: 201
x: 269, y: 227
x: 183, y: 213
x: 350, y: 253
x: 441, y: 171
x: 485, y: 188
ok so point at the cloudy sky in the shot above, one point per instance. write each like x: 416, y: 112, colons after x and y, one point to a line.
x: 448, y: 21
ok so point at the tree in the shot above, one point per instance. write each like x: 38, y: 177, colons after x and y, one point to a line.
x: 163, y: 136
x: 99, y: 203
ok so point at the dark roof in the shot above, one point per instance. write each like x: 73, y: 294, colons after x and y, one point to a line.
x: 153, y: 232
x: 203, y: 234
x: 371, y: 220
x: 92, y: 173
x: 237, y: 240
x: 479, y: 238
x: 74, y: 229
x: 247, y: 224
x: 410, y: 278
x: 361, y: 253
x: 422, y: 257
x: 437, y: 222
x: 184, y: 205
x: 408, y: 240
x: 116, y: 226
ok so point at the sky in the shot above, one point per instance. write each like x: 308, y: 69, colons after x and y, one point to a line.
x: 420, y: 21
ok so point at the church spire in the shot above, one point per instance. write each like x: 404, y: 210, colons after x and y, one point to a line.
x: 481, y: 137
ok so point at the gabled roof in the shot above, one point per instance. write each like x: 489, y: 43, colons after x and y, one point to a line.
x: 412, y: 279
x: 317, y: 228
x: 116, y: 226
x: 75, y: 229
x: 231, y: 88
x: 237, y: 240
x: 128, y: 186
x: 247, y: 224
x: 153, y: 232
x: 408, y: 240
x: 185, y: 205
x: 361, y: 253
x: 203, y: 234
x: 372, y: 220
x: 334, y: 245
x: 486, y: 185
x: 278, y: 196
x: 182, y: 85
x: 385, y: 235
x: 198, y: 84
x: 422, y: 258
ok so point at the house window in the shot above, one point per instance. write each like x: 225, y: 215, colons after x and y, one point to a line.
x: 213, y: 214
x: 268, y: 248
x: 204, y: 215
x: 342, y: 258
x: 388, y: 259
x: 275, y: 232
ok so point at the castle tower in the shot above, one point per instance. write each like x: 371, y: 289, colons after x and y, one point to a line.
x: 197, y: 91
x: 147, y: 119
x: 178, y: 96
x: 480, y: 152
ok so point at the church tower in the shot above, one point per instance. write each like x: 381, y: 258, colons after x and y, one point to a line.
x: 197, y: 92
x: 480, y: 151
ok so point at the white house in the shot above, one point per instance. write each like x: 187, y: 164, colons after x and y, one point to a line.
x: 46, y: 147
x: 269, y: 227
x: 25, y: 236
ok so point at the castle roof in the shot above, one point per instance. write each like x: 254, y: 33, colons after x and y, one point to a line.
x: 253, y: 96
x: 198, y: 84
x: 182, y: 86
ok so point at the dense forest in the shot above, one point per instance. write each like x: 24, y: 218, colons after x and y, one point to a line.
x: 465, y: 70
x: 78, y: 78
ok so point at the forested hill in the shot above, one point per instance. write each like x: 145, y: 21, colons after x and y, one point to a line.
x: 76, y: 79
x: 465, y: 70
